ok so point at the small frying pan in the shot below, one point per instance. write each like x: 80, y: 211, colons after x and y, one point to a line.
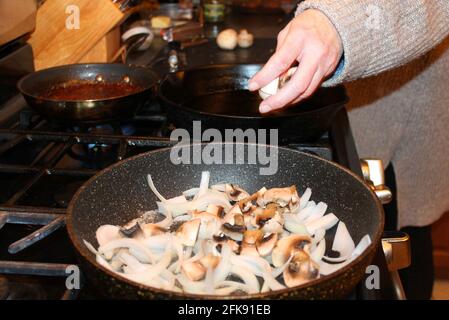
x: 114, y: 105
x: 217, y: 95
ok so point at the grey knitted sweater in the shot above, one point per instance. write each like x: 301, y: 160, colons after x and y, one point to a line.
x: 396, y: 70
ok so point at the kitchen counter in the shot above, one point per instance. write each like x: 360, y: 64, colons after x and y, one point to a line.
x: 265, y: 28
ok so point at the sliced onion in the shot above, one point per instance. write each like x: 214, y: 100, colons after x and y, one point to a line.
x: 219, y: 187
x: 319, y: 235
x: 320, y: 210
x: 204, y: 184
x: 363, y: 244
x: 278, y: 271
x: 304, y: 199
x: 328, y: 268
x: 107, y: 233
x: 228, y: 287
x: 132, y: 264
x: 90, y: 247
x: 326, y: 222
x: 153, y: 188
x: 189, y: 286
x: 182, y: 218
x: 295, y: 227
x: 223, y: 268
x: 167, y: 222
x: 177, y: 200
x: 343, y: 244
x: 156, y: 243
x: 102, y: 261
x: 271, y: 282
x: 191, y: 193
x: 319, y: 251
x: 265, y: 287
x: 209, y: 283
x: 247, y: 277
x: 140, y: 251
x: 305, y: 213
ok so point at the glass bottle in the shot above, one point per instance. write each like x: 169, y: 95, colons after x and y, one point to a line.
x: 214, y: 10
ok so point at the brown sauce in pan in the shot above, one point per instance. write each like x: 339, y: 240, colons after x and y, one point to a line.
x: 90, y: 90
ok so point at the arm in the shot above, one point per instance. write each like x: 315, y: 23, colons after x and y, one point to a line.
x: 381, y: 35
x: 342, y: 40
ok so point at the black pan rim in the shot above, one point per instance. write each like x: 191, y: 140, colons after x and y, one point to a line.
x: 274, y: 115
x: 20, y: 83
x: 88, y: 256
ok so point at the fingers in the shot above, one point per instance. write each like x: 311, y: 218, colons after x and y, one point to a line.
x: 280, y: 62
x: 314, y: 84
x: 297, y: 86
x: 281, y: 36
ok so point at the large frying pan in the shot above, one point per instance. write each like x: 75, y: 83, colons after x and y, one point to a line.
x: 217, y: 95
x: 117, y: 195
x: 79, y: 111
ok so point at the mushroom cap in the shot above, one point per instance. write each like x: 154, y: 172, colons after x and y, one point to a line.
x: 194, y: 270
x: 248, y: 249
x: 235, y: 193
x: 252, y: 236
x: 210, y: 261
x: 227, y: 39
x: 281, y: 196
x: 188, y: 232
x: 215, y: 210
x: 151, y: 229
x: 245, y: 39
x: 301, y: 269
x: 266, y: 245
x: 287, y: 246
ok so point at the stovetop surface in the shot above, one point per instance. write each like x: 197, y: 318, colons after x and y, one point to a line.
x: 42, y: 164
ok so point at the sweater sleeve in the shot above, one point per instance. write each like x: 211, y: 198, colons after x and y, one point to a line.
x: 379, y: 35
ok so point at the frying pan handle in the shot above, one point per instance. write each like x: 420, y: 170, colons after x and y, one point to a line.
x: 396, y: 247
x: 373, y: 172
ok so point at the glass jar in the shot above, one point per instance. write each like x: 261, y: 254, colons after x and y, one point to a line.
x: 214, y: 10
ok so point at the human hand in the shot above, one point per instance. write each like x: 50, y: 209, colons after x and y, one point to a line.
x: 312, y: 40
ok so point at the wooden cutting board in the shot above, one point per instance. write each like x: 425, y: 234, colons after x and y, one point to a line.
x: 54, y: 44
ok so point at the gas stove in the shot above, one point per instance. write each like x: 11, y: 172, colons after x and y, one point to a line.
x: 42, y: 164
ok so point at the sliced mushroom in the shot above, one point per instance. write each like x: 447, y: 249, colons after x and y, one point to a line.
x: 151, y: 229
x: 266, y: 245
x: 210, y: 261
x: 244, y: 202
x: 235, y: 193
x: 280, y: 196
x: 188, y: 232
x: 250, y: 238
x: 287, y: 246
x: 222, y: 238
x: 204, y: 216
x: 229, y: 217
x: 300, y: 270
x: 249, y: 250
x: 216, y: 210
x: 194, y: 270
x: 131, y: 229
x: 234, y: 231
x: 261, y: 216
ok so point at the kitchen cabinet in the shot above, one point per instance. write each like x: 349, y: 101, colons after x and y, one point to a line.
x: 440, y: 237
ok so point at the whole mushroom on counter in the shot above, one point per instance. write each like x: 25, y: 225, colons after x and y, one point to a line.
x: 229, y: 39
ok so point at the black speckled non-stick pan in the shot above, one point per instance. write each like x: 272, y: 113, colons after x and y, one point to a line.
x: 120, y: 192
